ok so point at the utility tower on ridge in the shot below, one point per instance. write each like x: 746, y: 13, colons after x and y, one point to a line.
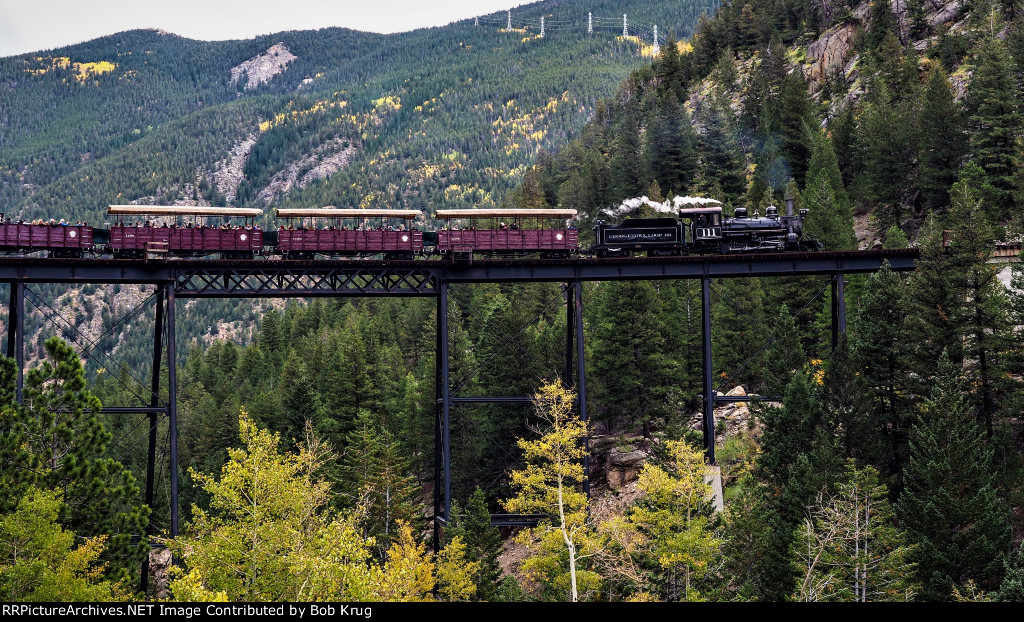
x: 590, y: 23
x: 509, y: 25
x: 657, y: 48
x: 625, y: 26
x: 542, y: 26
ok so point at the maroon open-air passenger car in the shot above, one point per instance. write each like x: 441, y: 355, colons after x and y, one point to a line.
x: 60, y: 239
x: 507, y: 232
x: 348, y: 232
x: 182, y: 230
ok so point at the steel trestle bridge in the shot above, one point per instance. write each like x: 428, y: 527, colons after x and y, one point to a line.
x: 270, y: 278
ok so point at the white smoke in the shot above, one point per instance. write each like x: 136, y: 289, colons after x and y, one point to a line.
x: 667, y: 207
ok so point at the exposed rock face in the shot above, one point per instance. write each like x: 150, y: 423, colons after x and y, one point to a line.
x: 260, y: 69
x: 945, y: 12
x: 831, y: 50
x: 229, y: 170
x: 730, y: 419
x: 159, y: 563
x: 624, y: 466
x: 326, y: 160
x: 834, y: 48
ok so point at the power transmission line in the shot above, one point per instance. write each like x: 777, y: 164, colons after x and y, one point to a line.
x: 589, y: 25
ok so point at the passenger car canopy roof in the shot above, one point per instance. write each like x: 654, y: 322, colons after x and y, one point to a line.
x: 183, y: 210
x: 336, y: 212
x: 505, y: 213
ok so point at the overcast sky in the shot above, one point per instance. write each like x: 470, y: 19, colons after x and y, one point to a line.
x: 28, y: 26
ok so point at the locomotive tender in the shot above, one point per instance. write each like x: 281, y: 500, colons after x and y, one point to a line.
x: 139, y: 231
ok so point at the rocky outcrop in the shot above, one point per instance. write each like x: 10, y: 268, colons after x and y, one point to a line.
x: 260, y: 69
x: 730, y: 419
x: 830, y: 51
x: 325, y: 160
x: 159, y: 564
x: 945, y: 13
x: 229, y: 170
x: 624, y: 466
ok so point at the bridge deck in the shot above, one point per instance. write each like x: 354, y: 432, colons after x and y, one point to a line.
x: 204, y: 278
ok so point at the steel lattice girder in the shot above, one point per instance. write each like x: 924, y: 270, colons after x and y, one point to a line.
x: 688, y: 267
x: 278, y: 281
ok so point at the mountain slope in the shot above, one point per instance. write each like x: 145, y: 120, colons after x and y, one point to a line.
x: 446, y: 115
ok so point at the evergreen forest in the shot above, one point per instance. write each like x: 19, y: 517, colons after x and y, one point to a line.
x: 888, y: 466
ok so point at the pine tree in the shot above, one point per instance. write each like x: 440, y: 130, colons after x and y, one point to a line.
x: 630, y: 361
x: 917, y: 26
x: 942, y: 141
x: 878, y: 351
x: 949, y: 505
x: 830, y: 216
x: 986, y: 325
x: 771, y: 174
x: 793, y: 109
x: 881, y: 22
x: 846, y: 140
x: 738, y: 320
x: 721, y: 160
x: 785, y: 356
x: 63, y: 448
x: 748, y: 541
x: 627, y: 161
x: 483, y: 543
x: 994, y: 120
x: 935, y: 322
x: 299, y: 400
x: 672, y: 146
x: 799, y: 460
x: 845, y: 408
x: 1012, y: 587
x: 375, y: 477
x: 887, y: 154
x: 669, y: 71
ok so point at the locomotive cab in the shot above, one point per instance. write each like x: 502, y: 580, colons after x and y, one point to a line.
x: 704, y: 231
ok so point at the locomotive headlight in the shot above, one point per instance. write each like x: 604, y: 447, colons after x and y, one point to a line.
x: 558, y: 236
x: 72, y: 233
x: 405, y: 238
x: 243, y: 237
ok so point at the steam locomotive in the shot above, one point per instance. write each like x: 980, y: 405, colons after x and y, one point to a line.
x: 705, y: 230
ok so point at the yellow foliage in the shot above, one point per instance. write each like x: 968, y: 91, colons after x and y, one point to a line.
x: 190, y: 587
x: 455, y: 573
x: 86, y: 70
x: 409, y: 573
x: 80, y: 71
x: 551, y: 485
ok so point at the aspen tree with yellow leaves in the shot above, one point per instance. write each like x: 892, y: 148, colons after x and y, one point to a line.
x: 270, y: 536
x: 552, y: 485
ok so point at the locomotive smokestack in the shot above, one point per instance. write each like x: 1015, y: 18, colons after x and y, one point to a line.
x: 789, y: 207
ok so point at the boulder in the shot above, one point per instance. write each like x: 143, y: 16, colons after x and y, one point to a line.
x: 159, y: 564
x: 624, y: 466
